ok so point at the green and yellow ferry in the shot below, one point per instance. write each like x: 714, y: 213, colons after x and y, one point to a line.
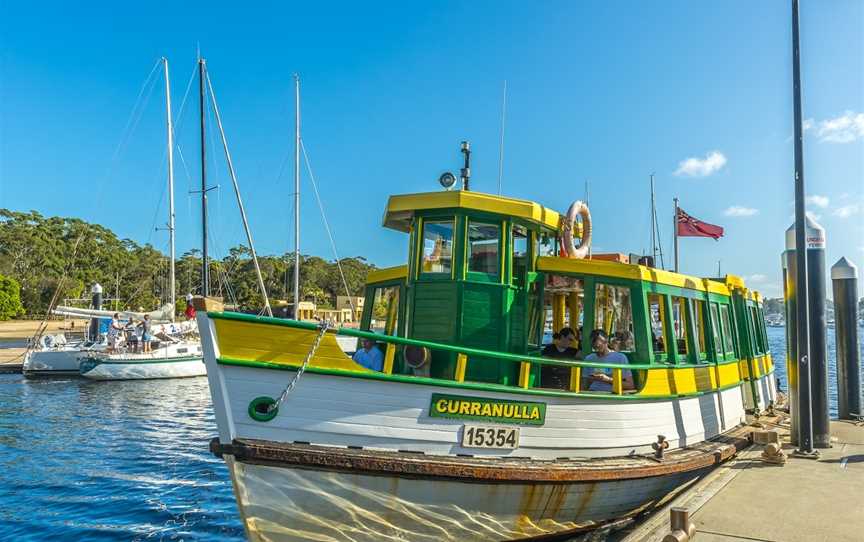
x: 459, y: 437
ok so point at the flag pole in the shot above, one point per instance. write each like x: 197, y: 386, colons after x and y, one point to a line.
x: 675, y: 231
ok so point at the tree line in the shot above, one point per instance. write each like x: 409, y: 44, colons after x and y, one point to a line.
x: 57, y: 258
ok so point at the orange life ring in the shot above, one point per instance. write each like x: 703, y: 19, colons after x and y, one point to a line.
x: 577, y: 209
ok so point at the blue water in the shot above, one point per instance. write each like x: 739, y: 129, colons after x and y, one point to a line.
x: 777, y: 344
x: 82, y: 460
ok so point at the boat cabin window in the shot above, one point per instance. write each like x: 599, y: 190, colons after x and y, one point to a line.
x: 613, y: 313
x: 483, y: 243
x: 679, y: 324
x: 758, y: 344
x: 728, y: 332
x: 763, y: 332
x: 715, y: 328
x: 385, y: 310
x: 699, y: 317
x: 437, y: 246
x: 519, y: 236
x: 563, y: 305
x: 545, y: 245
x: 657, y: 316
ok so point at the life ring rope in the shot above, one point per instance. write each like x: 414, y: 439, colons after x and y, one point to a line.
x: 577, y: 209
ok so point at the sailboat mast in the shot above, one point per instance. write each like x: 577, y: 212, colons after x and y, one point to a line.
x: 653, y: 219
x: 205, y: 282
x: 296, y: 196
x: 171, y: 244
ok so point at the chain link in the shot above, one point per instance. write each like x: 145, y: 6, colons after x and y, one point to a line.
x: 325, y: 325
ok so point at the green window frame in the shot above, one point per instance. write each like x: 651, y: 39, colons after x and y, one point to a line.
x: 484, y: 276
x: 726, y: 319
x: 447, y: 274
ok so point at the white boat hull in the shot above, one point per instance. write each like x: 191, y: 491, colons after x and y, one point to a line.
x: 52, y: 362
x: 142, y: 369
x: 340, y: 411
x: 285, y: 505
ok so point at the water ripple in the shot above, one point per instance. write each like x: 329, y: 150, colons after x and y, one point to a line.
x: 82, y: 460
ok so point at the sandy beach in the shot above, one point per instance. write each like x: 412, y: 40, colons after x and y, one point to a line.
x: 14, y: 335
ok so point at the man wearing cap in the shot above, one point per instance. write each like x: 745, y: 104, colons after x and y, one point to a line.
x: 601, y: 379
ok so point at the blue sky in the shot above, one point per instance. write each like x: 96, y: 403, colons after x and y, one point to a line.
x: 604, y: 91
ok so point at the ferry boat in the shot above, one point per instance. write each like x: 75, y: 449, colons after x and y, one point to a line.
x: 461, y: 435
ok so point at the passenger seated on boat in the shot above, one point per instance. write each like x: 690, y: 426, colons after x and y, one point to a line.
x: 552, y: 376
x: 369, y: 356
x: 601, y: 379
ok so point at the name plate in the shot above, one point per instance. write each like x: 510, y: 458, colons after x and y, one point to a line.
x: 487, y: 410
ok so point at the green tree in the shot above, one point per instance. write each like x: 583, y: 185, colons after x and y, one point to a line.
x: 10, y: 298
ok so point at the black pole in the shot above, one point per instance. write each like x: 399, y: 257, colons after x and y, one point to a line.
x: 817, y: 325
x: 805, y: 440
x: 466, y: 171
x: 844, y: 278
x: 205, y: 282
x: 93, y: 332
x: 791, y: 316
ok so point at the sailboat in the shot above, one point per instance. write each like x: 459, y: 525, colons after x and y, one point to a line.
x: 172, y: 357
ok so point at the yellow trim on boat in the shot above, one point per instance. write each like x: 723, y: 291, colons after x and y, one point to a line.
x: 401, y: 208
x: 279, y: 344
x: 605, y: 268
x: 389, y: 356
x: 524, y: 374
x: 387, y: 274
x: 461, y: 367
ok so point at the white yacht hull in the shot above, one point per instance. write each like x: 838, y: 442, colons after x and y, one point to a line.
x: 175, y: 360
x: 142, y: 369
x: 52, y: 362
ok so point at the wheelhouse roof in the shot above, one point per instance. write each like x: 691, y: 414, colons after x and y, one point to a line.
x: 402, y: 208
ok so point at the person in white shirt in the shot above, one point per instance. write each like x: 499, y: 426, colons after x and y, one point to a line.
x: 601, y: 379
x: 114, y: 331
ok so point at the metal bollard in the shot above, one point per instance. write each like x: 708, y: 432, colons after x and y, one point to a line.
x: 844, y: 280
x: 818, y: 359
x: 683, y: 530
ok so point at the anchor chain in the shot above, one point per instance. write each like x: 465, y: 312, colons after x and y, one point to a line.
x: 325, y: 325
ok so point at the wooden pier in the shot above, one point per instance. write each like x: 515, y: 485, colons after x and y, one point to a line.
x: 748, y: 499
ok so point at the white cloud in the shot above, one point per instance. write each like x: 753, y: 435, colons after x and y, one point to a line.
x: 817, y: 200
x: 737, y: 210
x: 846, y: 211
x: 758, y: 277
x: 843, y: 129
x: 808, y: 124
x: 699, y: 167
x: 814, y: 216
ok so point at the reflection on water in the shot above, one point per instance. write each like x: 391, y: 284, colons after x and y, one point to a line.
x: 83, y: 460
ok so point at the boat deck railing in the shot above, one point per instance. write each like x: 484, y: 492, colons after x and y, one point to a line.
x: 465, y: 354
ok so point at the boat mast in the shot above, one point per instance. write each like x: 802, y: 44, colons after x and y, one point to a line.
x: 675, y: 231
x: 205, y: 282
x: 653, y: 230
x: 171, y: 249
x: 239, y: 199
x: 296, y: 196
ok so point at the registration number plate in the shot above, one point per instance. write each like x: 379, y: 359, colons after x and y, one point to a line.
x: 480, y: 436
